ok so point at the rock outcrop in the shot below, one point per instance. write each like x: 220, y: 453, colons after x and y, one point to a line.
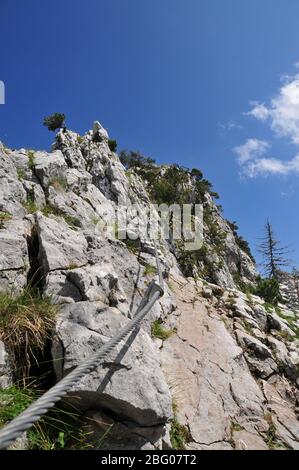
x: 226, y: 370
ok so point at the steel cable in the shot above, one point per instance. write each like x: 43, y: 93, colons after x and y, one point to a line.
x: 43, y: 404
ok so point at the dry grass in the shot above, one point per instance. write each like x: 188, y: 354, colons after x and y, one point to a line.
x: 26, y: 322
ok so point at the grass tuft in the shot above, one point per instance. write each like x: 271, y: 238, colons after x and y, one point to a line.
x: 178, y: 435
x: 73, y: 222
x: 158, y: 331
x: 149, y: 270
x: 30, y: 205
x: 58, y: 430
x: 31, y: 162
x: 26, y: 323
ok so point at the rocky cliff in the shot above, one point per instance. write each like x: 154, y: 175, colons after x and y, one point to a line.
x: 211, y: 367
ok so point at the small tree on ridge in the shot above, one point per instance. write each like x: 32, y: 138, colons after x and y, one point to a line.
x: 54, y: 121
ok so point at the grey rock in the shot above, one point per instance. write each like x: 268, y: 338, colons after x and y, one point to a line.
x: 6, y: 372
x: 253, y: 344
x: 210, y: 378
x: 260, y: 316
x: 129, y: 382
x: 35, y: 192
x: 60, y: 289
x: 12, y: 194
x: 98, y: 132
x: 14, y: 258
x: 49, y: 166
x: 60, y: 246
x: 125, y: 435
x: 279, y: 324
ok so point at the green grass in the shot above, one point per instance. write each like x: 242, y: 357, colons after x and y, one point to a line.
x: 13, y: 401
x: 248, y: 328
x: 30, y: 205
x: 73, y: 222
x: 31, y: 163
x: 48, y: 209
x: 158, y: 331
x: 235, y: 426
x: 26, y: 322
x: 4, y: 217
x: 57, y: 430
x: 73, y: 266
x: 96, y: 220
x: 178, y: 435
x: 149, y: 270
x: 21, y: 174
x: 132, y: 245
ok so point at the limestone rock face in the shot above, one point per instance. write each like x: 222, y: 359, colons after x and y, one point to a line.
x: 129, y: 382
x: 222, y: 364
x: 14, y: 257
x: 209, y: 362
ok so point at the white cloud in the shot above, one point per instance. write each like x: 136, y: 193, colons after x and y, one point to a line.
x: 228, y: 126
x: 252, y: 149
x: 271, y: 166
x: 282, y: 115
x: 283, y: 110
x: 259, y: 111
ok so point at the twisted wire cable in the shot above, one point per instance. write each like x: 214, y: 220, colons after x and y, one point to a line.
x: 42, y: 405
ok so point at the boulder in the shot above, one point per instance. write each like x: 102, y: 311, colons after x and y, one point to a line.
x: 48, y: 166
x: 279, y: 324
x: 129, y: 381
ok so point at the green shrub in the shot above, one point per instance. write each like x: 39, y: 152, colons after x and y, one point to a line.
x: 134, y: 159
x: 244, y: 246
x: 54, y: 121
x: 268, y: 289
x: 164, y: 192
x: 112, y: 145
x: 241, y: 242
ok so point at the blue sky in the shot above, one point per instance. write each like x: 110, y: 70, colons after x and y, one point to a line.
x: 206, y: 83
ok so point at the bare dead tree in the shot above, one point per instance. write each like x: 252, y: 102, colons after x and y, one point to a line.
x: 274, y: 254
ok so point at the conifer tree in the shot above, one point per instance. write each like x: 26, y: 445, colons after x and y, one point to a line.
x: 274, y: 255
